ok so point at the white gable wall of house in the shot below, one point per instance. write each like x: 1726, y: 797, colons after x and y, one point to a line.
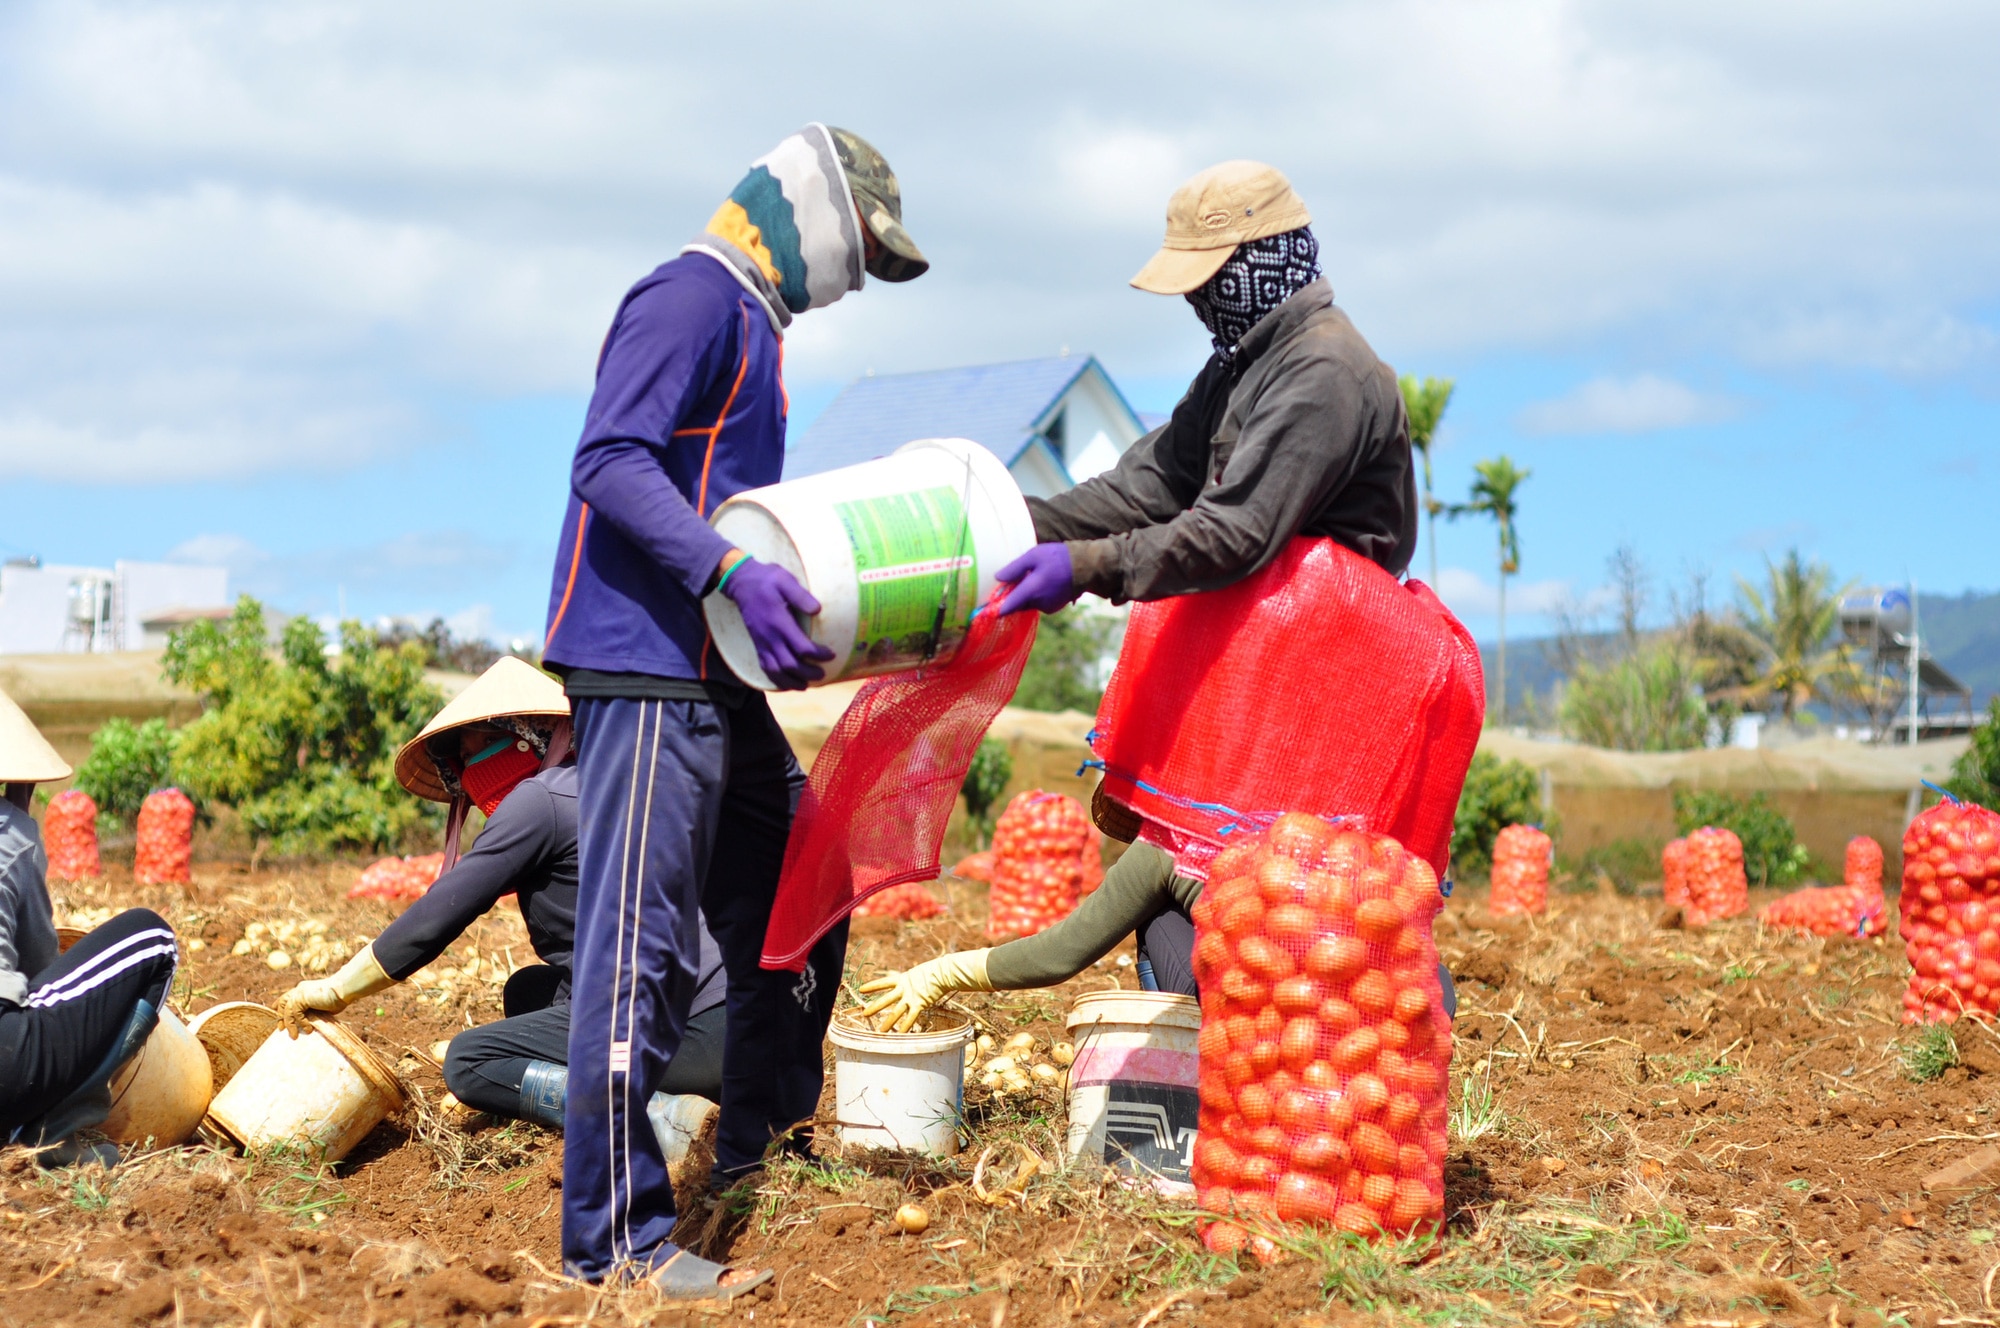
x: 1090, y: 424
x: 1038, y: 471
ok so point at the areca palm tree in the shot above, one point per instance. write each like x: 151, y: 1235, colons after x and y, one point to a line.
x: 1794, y: 618
x: 1493, y: 486
x: 1425, y: 404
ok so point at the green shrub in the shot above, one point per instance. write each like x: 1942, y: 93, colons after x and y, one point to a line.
x: 1772, y: 853
x: 985, y: 780
x: 302, y: 743
x: 126, y: 762
x: 1627, y: 863
x: 1497, y: 794
x: 1649, y: 701
x: 1064, y: 668
x: 1975, y: 776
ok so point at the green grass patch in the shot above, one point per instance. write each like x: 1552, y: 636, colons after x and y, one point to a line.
x: 1930, y: 1053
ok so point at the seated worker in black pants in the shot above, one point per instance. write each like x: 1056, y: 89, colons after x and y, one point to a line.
x: 502, y: 745
x: 68, y: 1021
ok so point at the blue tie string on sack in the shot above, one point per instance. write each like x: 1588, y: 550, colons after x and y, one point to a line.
x: 1944, y: 793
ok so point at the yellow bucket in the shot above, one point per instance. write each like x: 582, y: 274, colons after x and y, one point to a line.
x: 161, y: 1093
x: 323, y: 1089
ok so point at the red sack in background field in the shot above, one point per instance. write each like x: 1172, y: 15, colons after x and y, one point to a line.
x: 1716, y: 885
x: 909, y: 901
x: 1324, y: 1041
x: 1951, y: 913
x: 166, y: 838
x: 1521, y: 857
x: 398, y: 878
x: 69, y: 833
x: 1674, y: 873
x: 883, y: 787
x: 1320, y: 684
x: 1864, y: 863
x: 1833, y: 910
x: 1040, y: 844
x: 975, y: 867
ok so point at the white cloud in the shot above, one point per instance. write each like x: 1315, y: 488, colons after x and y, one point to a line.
x: 1642, y: 404
x: 1468, y: 594
x: 415, y: 563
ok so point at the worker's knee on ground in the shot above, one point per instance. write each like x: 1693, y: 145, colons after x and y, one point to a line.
x: 477, y: 1073
x: 530, y: 989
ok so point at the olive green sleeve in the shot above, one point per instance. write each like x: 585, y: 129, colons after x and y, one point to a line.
x: 1136, y: 888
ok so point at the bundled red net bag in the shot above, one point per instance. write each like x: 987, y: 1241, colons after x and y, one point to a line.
x: 69, y: 833
x: 1040, y: 845
x: 1951, y: 914
x: 1674, y: 873
x: 909, y: 901
x: 1324, y: 1041
x: 166, y: 838
x: 398, y: 878
x: 1319, y: 684
x: 883, y: 787
x: 1716, y: 885
x: 1864, y: 863
x: 1833, y: 910
x: 1521, y: 857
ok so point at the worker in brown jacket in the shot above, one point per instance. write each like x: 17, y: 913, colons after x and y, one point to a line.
x: 1293, y: 427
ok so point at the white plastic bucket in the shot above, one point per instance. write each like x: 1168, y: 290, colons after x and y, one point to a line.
x: 161, y: 1093
x: 1135, y: 1086
x: 900, y: 1090
x: 883, y: 546
x: 323, y: 1089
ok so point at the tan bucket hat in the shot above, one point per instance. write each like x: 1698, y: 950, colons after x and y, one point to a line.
x: 511, y: 687
x: 25, y: 755
x: 1211, y: 214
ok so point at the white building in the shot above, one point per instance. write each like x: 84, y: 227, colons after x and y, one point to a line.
x: 63, y: 609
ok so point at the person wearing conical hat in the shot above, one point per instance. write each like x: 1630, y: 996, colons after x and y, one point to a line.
x: 503, y: 745
x: 68, y: 1019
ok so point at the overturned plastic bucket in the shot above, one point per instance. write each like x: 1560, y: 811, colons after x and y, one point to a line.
x: 323, y: 1090
x: 899, y: 552
x: 162, y: 1092
x: 901, y: 1090
x: 1135, y: 1086
x: 230, y: 1034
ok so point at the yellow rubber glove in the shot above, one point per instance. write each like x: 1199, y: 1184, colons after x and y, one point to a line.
x: 914, y: 991
x: 358, y: 977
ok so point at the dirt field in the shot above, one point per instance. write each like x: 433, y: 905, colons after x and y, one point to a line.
x: 1654, y: 1126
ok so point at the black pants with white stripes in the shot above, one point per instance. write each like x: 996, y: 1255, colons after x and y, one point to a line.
x: 76, y: 1009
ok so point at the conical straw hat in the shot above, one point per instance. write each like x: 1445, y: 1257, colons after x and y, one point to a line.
x: 511, y: 687
x: 25, y: 755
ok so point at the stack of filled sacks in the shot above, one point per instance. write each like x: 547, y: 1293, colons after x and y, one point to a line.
x: 1854, y: 909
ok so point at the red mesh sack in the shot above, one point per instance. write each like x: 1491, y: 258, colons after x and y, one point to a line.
x: 1951, y: 914
x: 883, y: 787
x: 69, y: 833
x: 398, y: 878
x: 166, y: 838
x: 1834, y: 910
x: 1673, y: 873
x: 1040, y: 844
x: 1324, y: 1042
x: 1864, y: 863
x: 1320, y: 684
x: 1716, y: 885
x: 909, y: 901
x: 1521, y: 857
x: 975, y: 867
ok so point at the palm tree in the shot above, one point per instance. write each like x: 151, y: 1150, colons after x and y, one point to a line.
x: 1493, y: 489
x: 1794, y: 621
x: 1425, y: 402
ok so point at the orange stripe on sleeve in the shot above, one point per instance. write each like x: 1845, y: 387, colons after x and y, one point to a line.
x: 569, y: 587
x: 715, y: 431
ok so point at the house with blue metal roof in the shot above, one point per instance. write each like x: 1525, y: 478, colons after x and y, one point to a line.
x: 1054, y: 421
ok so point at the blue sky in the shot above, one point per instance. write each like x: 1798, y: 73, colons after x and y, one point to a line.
x: 315, y: 291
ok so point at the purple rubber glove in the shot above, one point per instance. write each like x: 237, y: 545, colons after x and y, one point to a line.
x: 768, y: 596
x: 1041, y: 579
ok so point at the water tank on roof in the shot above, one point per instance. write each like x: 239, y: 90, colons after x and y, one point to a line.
x: 1876, y: 618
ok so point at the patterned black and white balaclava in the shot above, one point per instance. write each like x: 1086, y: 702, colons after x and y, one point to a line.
x: 1259, y: 276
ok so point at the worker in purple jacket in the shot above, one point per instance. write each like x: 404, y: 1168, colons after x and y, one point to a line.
x: 686, y: 783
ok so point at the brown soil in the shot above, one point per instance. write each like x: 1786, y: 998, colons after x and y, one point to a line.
x: 1698, y: 1128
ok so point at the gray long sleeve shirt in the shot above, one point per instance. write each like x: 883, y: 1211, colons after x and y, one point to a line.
x: 27, y: 919
x: 1302, y: 432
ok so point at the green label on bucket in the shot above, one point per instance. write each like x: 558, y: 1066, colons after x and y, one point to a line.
x: 913, y: 553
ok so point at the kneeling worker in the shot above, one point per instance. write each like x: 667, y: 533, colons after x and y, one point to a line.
x: 502, y: 745
x: 69, y: 1020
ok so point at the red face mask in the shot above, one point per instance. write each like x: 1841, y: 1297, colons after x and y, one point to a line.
x: 493, y: 774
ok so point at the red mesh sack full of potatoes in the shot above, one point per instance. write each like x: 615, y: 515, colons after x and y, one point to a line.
x: 1716, y: 885
x: 1521, y: 857
x: 1039, y: 845
x: 1833, y: 910
x: 1951, y: 914
x: 398, y: 879
x: 69, y: 833
x: 1324, y: 1041
x: 1674, y: 873
x: 166, y: 838
x: 909, y: 902
x: 1864, y: 863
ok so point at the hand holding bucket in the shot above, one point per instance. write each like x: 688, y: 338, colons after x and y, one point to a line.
x: 768, y: 596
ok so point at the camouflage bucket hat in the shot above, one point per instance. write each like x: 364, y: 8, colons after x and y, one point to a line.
x: 881, y: 206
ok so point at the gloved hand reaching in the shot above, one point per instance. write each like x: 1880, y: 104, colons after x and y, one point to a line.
x: 358, y: 977
x: 768, y: 595
x: 1041, y: 579
x: 913, y: 992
